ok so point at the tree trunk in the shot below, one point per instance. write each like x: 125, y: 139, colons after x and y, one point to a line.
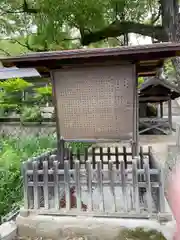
x: 168, y: 31
x: 171, y: 25
x: 176, y: 61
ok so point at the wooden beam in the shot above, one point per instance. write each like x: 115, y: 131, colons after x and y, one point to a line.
x: 153, y: 98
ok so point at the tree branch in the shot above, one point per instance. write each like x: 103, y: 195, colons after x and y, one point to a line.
x: 4, y: 51
x: 155, y: 19
x: 119, y: 28
x: 23, y: 9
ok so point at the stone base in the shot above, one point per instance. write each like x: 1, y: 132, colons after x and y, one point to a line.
x: 90, y: 228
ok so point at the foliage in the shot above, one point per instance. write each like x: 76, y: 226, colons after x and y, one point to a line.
x: 11, y: 94
x: 169, y: 70
x: 140, y: 234
x: 15, y: 85
x: 43, y: 94
x: 31, y: 114
x: 78, y: 146
x: 11, y: 99
x: 55, y: 25
x: 140, y: 81
x: 13, y: 151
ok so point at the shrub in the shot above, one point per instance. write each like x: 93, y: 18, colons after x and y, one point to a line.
x: 13, y: 151
x: 11, y: 94
x: 31, y: 114
x: 43, y: 94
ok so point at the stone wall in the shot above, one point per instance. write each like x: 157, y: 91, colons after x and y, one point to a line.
x: 30, y: 129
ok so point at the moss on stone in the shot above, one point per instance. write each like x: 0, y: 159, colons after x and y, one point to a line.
x: 140, y: 234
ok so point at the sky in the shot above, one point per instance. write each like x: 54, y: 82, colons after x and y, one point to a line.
x: 139, y: 40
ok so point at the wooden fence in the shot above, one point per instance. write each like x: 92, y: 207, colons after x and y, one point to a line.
x: 87, y: 182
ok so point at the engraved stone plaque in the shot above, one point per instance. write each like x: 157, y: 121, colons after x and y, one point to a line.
x: 95, y: 102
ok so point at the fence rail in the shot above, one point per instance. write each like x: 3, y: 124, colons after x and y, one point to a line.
x: 97, y: 186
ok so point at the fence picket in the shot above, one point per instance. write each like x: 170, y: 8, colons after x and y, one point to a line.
x: 45, y: 187
x: 89, y: 185
x: 135, y: 185
x: 24, y: 168
x: 161, y: 191
x: 123, y: 184
x: 35, y: 188
x: 77, y: 184
x: 112, y: 189
x: 148, y: 185
x: 56, y: 185
x: 100, y: 184
x: 67, y: 184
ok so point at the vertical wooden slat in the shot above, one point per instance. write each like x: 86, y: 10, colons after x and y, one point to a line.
x: 30, y: 189
x: 148, y: 185
x: 25, y: 184
x: 140, y: 176
x: 35, y: 187
x: 61, y: 148
x: 89, y: 185
x: 93, y: 157
x: 78, y: 154
x: 135, y: 185
x: 112, y: 189
x: 71, y: 159
x: 161, y: 191
x: 86, y: 154
x: 117, y: 157
x: 141, y: 157
x: 45, y: 187
x: 109, y: 153
x: 100, y: 185
x: 101, y: 154
x: 150, y: 157
x: 125, y: 156
x: 123, y: 184
x: 56, y: 185
x: 77, y: 184
x: 67, y: 184
x: 51, y: 161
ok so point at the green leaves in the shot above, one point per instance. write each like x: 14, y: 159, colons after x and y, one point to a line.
x: 43, y: 94
x: 11, y: 99
x: 15, y: 85
x: 31, y: 114
x: 11, y: 94
x: 14, y: 151
x: 60, y: 24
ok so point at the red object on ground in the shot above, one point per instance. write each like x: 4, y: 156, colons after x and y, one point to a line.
x: 73, y: 200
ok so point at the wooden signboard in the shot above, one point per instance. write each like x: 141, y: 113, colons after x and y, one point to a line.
x: 95, y: 102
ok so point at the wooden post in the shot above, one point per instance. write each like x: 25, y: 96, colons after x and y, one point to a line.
x: 135, y: 138
x: 170, y: 114
x: 56, y: 115
x: 161, y: 109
